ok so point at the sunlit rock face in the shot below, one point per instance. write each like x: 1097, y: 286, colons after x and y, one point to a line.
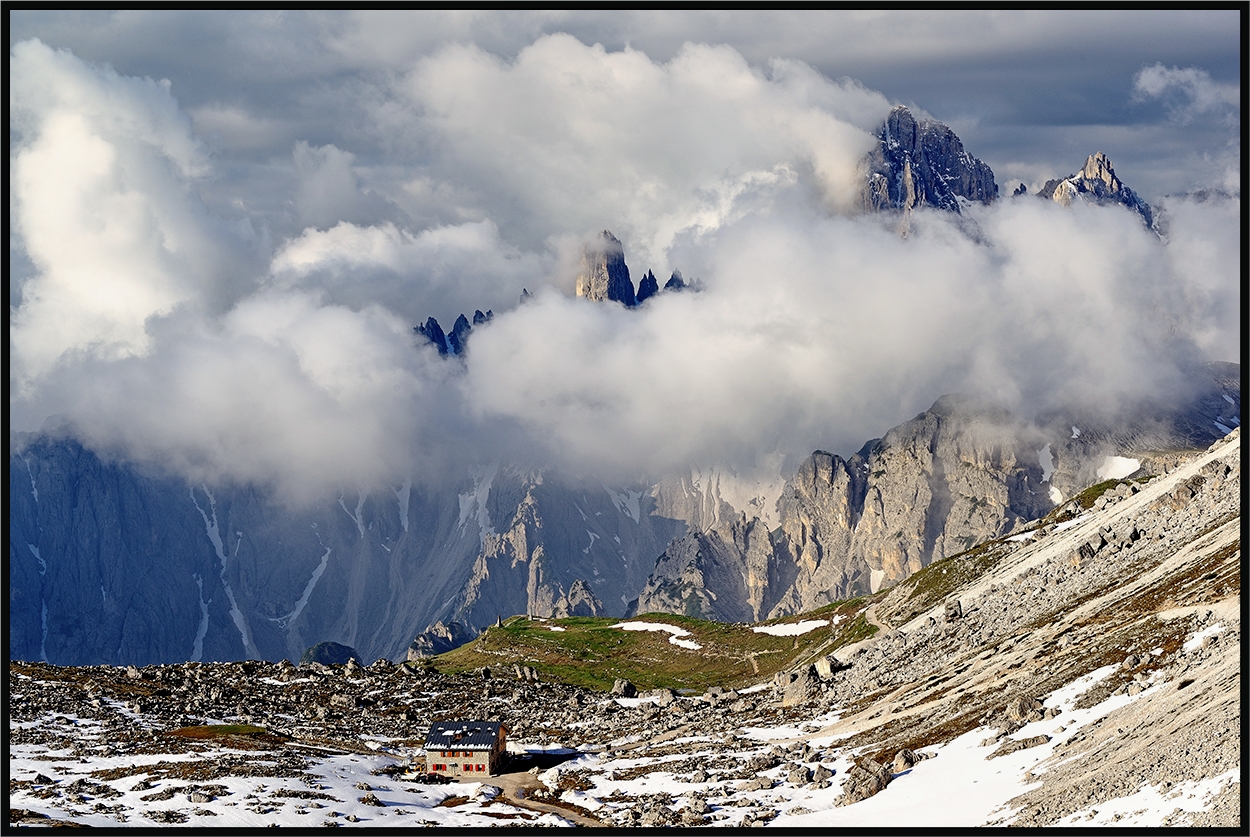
x: 603, y: 273
x: 1096, y: 182
x: 957, y: 474
x: 922, y: 163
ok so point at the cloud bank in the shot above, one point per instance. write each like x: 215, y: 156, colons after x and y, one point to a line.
x: 158, y: 330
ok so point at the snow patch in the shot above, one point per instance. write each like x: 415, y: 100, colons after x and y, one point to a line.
x: 1046, y: 459
x: 35, y: 490
x: 626, y: 502
x: 1195, y: 642
x: 473, y: 503
x: 403, y: 494
x: 1117, y: 467
x: 1076, y: 431
x: 556, y: 628
x: 43, y: 624
x: 284, y: 621
x: 593, y: 537
x: 674, y: 631
x: 1150, y: 806
x: 791, y: 628
x: 875, y: 579
x: 214, y: 536
x: 358, y: 516
x: 1056, y: 496
x: 197, y: 646
x: 1223, y: 428
x: 43, y: 566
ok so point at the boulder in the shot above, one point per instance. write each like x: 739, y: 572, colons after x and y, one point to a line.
x: 661, y: 697
x: 904, y: 759
x: 623, y: 688
x: 1025, y: 709
x: 803, y: 687
x: 954, y: 610
x: 799, y: 775
x: 865, y: 778
x: 328, y: 654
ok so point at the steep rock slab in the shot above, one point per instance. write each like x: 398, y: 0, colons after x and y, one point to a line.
x: 567, y: 549
x: 959, y: 473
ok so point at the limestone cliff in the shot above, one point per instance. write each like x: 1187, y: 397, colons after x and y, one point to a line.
x: 959, y: 473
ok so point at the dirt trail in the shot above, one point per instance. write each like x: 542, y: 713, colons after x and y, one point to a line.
x: 516, y: 788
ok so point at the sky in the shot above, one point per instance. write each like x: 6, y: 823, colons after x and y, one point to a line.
x: 224, y: 225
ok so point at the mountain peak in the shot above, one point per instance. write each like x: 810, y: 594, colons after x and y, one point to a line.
x: 1097, y: 182
x: 921, y: 162
x: 603, y: 273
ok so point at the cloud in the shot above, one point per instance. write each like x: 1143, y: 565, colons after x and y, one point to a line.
x: 103, y: 206
x: 569, y: 137
x: 164, y: 332
x: 1188, y: 92
x: 442, y: 271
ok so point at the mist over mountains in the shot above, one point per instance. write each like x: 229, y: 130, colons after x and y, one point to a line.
x: 230, y: 444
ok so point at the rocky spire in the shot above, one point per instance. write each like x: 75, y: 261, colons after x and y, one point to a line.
x: 921, y: 163
x: 459, y: 335
x: 433, y: 332
x: 648, y: 286
x: 603, y: 274
x: 1096, y: 182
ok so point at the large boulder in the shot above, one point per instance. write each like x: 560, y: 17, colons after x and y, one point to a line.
x: 804, y: 685
x: 328, y: 654
x: 865, y: 778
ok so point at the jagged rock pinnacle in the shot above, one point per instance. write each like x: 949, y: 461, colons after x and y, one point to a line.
x: 1096, y: 182
x: 603, y: 274
x: 921, y: 162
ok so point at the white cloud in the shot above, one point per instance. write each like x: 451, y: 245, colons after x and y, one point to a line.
x: 442, y: 271
x: 156, y: 335
x: 570, y: 137
x: 102, y: 203
x: 1191, y: 91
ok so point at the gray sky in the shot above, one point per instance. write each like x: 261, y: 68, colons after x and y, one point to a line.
x: 225, y: 224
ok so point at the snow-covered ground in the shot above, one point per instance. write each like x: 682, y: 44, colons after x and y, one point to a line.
x: 957, y: 784
x: 791, y: 628
x: 675, y: 633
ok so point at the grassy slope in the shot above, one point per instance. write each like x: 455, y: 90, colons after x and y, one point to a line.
x: 590, y: 652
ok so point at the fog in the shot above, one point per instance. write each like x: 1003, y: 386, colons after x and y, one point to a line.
x: 157, y: 321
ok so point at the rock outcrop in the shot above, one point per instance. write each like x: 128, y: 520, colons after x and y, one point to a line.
x: 437, y: 639
x: 1097, y: 183
x: 455, y: 341
x: 921, y: 163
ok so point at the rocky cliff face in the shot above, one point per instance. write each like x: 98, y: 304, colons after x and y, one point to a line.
x: 922, y: 163
x: 1096, y: 182
x: 603, y: 273
x: 111, y: 564
x: 957, y: 474
x: 562, y: 550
